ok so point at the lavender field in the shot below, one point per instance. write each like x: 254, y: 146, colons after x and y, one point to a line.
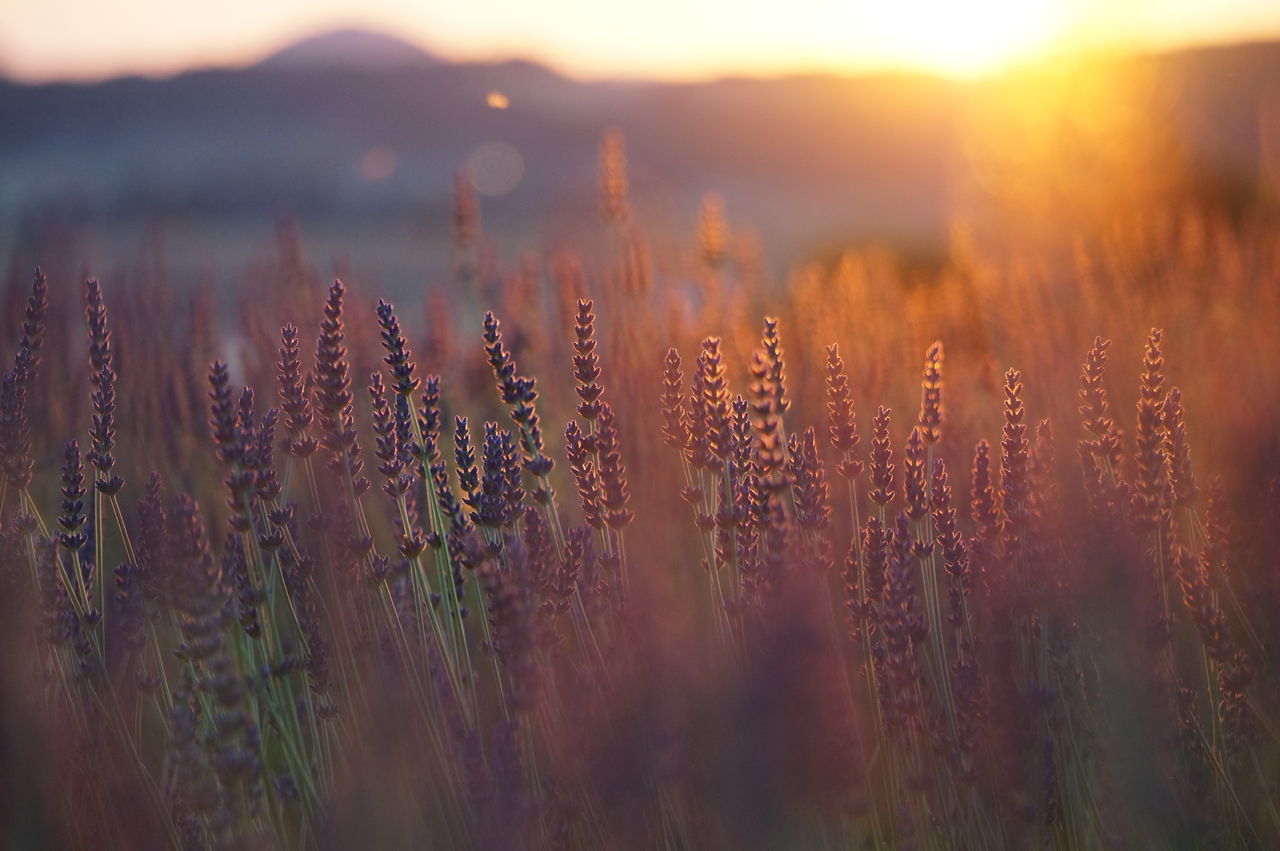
x: 602, y: 552
x: 824, y: 427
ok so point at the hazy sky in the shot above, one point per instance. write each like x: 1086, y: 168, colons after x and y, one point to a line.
x: 47, y: 39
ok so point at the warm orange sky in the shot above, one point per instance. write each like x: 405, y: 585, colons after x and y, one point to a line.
x: 49, y: 39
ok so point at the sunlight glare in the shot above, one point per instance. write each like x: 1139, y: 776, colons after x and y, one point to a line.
x: 965, y: 37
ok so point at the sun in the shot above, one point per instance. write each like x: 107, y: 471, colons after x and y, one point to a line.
x: 963, y: 37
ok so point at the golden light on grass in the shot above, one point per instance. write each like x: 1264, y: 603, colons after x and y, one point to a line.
x: 497, y: 100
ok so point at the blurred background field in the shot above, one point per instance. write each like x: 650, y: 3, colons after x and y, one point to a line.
x: 358, y: 136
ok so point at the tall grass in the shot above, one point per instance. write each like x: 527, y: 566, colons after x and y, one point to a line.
x: 701, y: 582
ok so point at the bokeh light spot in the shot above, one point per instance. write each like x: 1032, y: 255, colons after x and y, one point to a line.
x: 378, y: 164
x: 496, y: 168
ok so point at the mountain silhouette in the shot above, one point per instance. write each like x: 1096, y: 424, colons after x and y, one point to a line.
x: 348, y: 48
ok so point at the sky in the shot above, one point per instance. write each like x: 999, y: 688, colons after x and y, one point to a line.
x: 664, y: 39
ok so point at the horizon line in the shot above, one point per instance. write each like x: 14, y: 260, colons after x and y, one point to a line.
x: 782, y: 70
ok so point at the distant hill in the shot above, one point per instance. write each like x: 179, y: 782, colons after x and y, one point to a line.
x: 808, y: 160
x: 348, y: 48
